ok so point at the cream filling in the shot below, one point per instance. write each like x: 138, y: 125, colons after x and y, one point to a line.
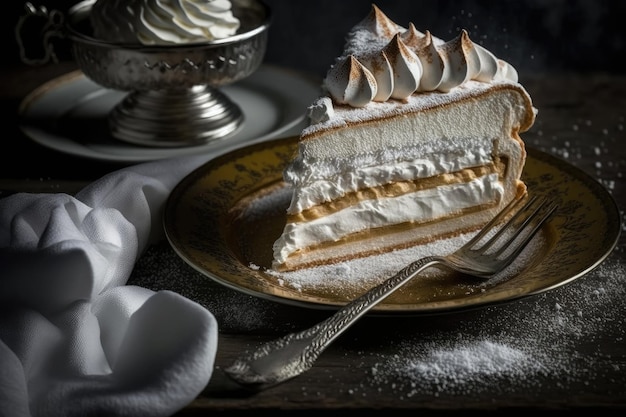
x: 422, y: 206
x: 350, y: 179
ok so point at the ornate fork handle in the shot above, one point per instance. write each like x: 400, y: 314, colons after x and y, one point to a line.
x: 291, y: 355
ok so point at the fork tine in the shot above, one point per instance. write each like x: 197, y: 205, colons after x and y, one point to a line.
x: 520, y: 227
x: 494, y: 222
x: 537, y: 226
x: 513, y: 222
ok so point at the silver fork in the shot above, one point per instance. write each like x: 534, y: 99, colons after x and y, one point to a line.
x: 295, y: 353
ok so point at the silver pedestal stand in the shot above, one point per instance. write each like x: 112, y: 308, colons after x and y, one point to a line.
x: 173, y: 117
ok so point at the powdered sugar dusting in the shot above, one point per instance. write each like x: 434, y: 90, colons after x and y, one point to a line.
x: 482, y: 358
x: 542, y: 344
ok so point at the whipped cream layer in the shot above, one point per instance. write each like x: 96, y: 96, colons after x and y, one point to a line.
x: 383, y: 60
x: 328, y: 180
x: 422, y: 206
x: 163, y: 22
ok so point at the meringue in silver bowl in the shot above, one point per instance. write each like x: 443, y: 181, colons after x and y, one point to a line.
x: 174, y: 98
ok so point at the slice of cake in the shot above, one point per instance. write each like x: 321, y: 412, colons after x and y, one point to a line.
x: 414, y: 139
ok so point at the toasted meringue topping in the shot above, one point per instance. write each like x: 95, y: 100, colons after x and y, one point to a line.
x: 407, y: 69
x: 413, y: 38
x: 351, y: 83
x: 432, y: 63
x: 461, y: 62
x: 383, y: 73
x: 506, y: 72
x: 488, y: 65
x: 403, y: 61
x: 379, y: 24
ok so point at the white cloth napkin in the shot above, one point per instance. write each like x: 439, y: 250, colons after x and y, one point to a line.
x: 74, y: 339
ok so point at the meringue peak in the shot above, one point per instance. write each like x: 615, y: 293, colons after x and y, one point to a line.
x: 413, y: 38
x: 351, y: 83
x: 406, y: 66
x: 378, y: 23
x: 391, y: 62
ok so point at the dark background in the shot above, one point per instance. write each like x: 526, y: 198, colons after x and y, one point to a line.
x: 534, y: 35
x: 540, y: 38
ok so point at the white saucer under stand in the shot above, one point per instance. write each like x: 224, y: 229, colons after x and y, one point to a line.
x: 70, y: 114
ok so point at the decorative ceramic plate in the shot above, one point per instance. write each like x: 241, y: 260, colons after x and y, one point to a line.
x: 222, y: 220
x: 69, y: 114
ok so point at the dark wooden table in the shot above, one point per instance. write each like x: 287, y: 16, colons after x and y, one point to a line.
x: 560, y: 351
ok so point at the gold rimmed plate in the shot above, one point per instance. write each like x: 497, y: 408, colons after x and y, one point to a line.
x: 223, y: 218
